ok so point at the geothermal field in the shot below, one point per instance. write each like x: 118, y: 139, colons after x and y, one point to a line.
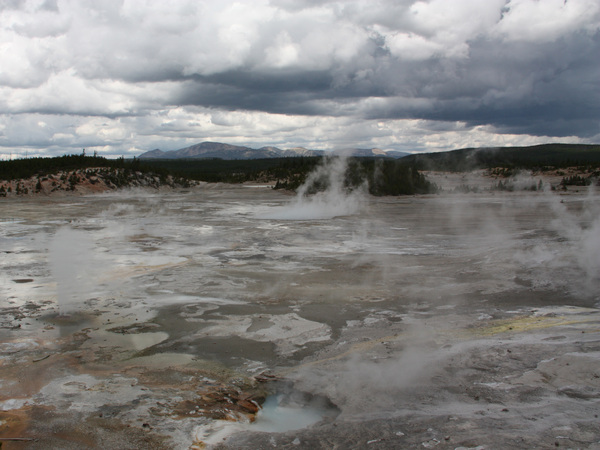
x: 242, y: 317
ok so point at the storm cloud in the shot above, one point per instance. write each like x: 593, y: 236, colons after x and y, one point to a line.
x: 123, y: 77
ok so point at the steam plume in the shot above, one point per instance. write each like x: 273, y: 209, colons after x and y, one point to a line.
x: 334, y: 201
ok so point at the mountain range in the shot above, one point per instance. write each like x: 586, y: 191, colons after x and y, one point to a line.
x: 219, y: 150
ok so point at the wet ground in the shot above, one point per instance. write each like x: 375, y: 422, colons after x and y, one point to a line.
x: 237, y: 317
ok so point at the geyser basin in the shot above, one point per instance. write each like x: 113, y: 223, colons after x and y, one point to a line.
x: 461, y: 276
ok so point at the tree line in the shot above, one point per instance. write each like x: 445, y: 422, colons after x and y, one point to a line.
x: 536, y: 158
x: 28, y: 167
x: 382, y: 176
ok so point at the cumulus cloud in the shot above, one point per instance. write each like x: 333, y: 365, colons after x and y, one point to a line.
x: 553, y: 19
x: 342, y: 73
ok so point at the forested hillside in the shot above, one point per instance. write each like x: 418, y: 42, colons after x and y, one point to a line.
x: 538, y: 157
x: 81, y: 174
x: 28, y: 167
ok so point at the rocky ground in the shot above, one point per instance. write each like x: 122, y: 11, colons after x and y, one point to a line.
x: 86, y: 181
x: 529, y: 381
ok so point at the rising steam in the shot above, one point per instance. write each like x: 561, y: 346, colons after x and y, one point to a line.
x: 583, y: 231
x: 324, y: 195
x: 70, y: 258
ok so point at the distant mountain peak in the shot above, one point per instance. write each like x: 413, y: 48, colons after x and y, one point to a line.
x: 156, y: 153
x: 209, y: 149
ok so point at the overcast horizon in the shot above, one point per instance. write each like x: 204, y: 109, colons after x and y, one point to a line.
x: 122, y: 77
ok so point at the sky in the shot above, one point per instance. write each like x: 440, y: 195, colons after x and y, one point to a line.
x: 121, y: 77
